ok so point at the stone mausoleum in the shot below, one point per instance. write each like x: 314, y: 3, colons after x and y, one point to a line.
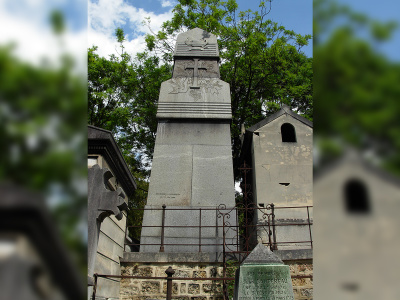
x: 278, y: 154
x: 110, y: 186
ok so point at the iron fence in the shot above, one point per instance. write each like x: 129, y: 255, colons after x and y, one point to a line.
x: 251, y: 224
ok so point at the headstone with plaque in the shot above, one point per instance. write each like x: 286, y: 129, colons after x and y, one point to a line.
x: 263, y: 276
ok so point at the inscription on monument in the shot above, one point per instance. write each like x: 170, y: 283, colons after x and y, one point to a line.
x: 263, y: 276
x: 261, y: 284
x: 167, y: 196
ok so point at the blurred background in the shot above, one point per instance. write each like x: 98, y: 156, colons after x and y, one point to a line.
x: 356, y: 149
x: 43, y: 172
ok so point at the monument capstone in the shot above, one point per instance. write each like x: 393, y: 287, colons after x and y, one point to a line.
x: 192, y: 161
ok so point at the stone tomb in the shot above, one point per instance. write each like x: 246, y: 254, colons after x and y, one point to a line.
x: 192, y: 161
x: 263, y: 276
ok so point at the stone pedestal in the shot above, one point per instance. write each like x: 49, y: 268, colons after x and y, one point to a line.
x: 192, y: 163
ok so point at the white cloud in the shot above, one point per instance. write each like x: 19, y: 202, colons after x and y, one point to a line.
x: 167, y: 3
x: 28, y: 28
x: 107, y: 15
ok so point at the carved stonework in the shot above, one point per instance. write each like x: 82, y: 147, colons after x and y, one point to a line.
x: 196, y: 43
x: 206, y: 85
x: 206, y: 68
x: 102, y: 203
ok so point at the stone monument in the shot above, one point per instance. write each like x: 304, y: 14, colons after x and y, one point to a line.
x: 263, y: 276
x: 192, y: 162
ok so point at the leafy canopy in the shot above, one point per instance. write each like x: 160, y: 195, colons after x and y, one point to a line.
x: 356, y: 88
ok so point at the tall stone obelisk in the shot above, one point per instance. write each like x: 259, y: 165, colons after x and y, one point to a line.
x: 192, y: 162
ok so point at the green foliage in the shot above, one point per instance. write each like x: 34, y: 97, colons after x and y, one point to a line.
x: 57, y: 22
x: 356, y: 88
x: 232, y: 266
x: 119, y: 33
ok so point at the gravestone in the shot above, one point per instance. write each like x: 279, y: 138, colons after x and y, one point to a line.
x: 192, y: 161
x: 263, y: 276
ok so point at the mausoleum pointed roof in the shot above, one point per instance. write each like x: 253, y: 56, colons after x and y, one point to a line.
x: 284, y: 110
x: 196, y: 43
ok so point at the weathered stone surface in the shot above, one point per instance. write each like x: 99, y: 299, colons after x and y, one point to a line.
x: 214, y: 288
x: 206, y: 68
x: 210, y: 101
x: 295, y: 254
x: 199, y: 274
x: 107, y: 287
x: 142, y: 271
x: 159, y: 257
x: 174, y: 288
x: 151, y: 287
x: 194, y: 288
x: 196, y: 43
x: 262, y: 255
x: 171, y: 176
x: 194, y: 132
x: 212, y: 176
x: 307, y: 292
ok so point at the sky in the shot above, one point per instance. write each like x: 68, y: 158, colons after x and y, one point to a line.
x: 25, y: 23
x: 93, y: 22
x: 384, y: 11
x: 106, y: 15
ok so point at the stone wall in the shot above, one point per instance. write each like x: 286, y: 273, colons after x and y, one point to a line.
x: 143, y: 289
x: 302, y: 287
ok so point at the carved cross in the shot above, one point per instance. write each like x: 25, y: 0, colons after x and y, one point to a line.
x: 196, y: 69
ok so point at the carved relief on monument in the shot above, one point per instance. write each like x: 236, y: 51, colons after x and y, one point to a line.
x: 206, y: 68
x: 205, y: 85
x: 196, y: 46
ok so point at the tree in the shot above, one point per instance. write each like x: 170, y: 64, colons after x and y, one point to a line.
x: 123, y: 95
x: 356, y: 87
